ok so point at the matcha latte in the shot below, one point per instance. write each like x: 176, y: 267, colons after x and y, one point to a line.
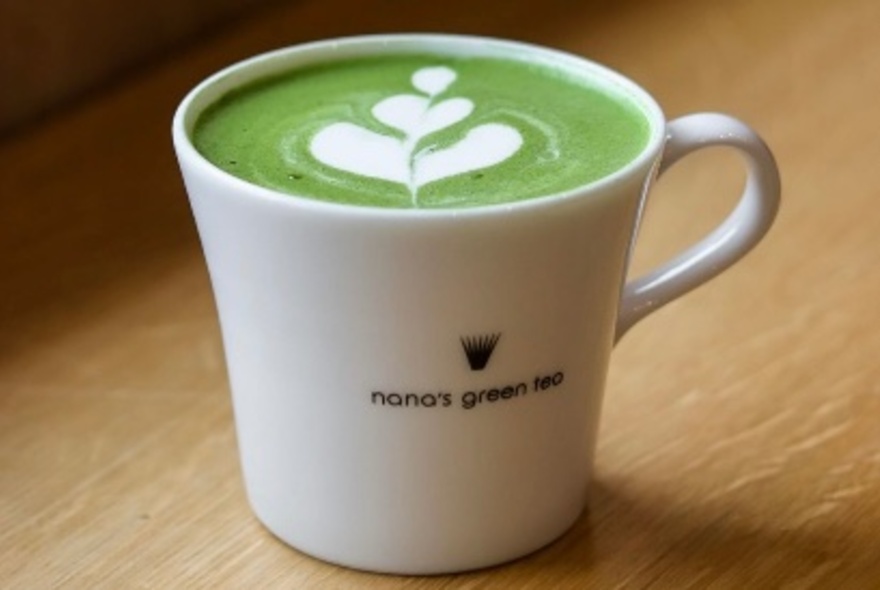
x: 425, y: 131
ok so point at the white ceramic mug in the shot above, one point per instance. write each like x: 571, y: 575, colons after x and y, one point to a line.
x: 418, y: 391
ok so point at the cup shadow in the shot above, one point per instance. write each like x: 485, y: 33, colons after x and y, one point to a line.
x: 630, y: 538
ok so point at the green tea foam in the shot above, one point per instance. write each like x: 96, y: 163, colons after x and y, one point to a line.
x: 423, y: 131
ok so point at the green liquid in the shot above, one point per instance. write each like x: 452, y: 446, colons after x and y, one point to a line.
x: 573, y: 131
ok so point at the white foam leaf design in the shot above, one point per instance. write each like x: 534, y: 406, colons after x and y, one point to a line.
x: 433, y: 80
x: 404, y: 112
x: 482, y: 147
x: 445, y: 114
x: 414, y: 116
x: 352, y: 148
x: 357, y: 150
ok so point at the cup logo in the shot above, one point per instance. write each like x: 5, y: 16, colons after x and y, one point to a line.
x: 407, y: 160
x: 479, y: 349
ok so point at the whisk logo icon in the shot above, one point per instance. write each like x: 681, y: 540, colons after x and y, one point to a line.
x: 479, y: 349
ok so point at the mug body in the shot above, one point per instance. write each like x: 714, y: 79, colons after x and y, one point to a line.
x: 415, y: 391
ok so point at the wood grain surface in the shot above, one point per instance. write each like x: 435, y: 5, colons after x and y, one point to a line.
x: 740, y: 440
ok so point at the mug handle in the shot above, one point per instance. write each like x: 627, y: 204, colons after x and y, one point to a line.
x: 727, y: 243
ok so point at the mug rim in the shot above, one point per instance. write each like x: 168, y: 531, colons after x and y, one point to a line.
x: 265, y: 64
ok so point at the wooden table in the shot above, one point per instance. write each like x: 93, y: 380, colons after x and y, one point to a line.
x: 740, y: 442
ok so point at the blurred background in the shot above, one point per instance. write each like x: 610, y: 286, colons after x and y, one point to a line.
x: 55, y: 52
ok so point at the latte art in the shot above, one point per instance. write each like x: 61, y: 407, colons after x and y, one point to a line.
x: 423, y: 131
x: 406, y: 160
